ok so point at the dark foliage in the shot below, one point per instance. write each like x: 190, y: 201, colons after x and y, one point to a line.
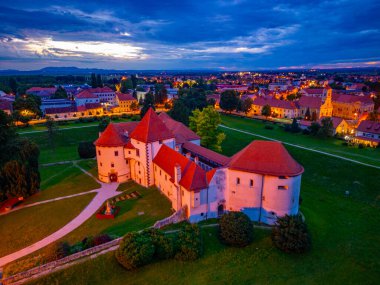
x: 290, y: 234
x: 163, y: 244
x: 189, y: 243
x: 86, y: 149
x: 57, y: 251
x: 235, y: 229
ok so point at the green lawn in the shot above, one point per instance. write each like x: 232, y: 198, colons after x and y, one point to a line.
x: 65, y: 143
x: 90, y: 165
x: 27, y: 226
x: 62, y: 180
x: 345, y: 234
x: 331, y: 145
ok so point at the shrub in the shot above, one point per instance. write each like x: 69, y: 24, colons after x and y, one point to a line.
x: 361, y: 145
x: 86, y: 149
x: 290, y: 234
x: 57, y: 251
x: 102, y: 238
x: 88, y: 242
x: 164, y: 245
x: 135, y: 250
x: 189, y: 243
x: 306, y: 132
x: 235, y: 228
x: 135, y: 118
x: 268, y: 127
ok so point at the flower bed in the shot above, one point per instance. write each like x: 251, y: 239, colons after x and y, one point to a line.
x: 101, y: 216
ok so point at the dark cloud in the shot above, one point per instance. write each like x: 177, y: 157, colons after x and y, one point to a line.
x: 188, y: 34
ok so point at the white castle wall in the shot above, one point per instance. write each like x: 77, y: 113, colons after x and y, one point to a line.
x: 106, y: 157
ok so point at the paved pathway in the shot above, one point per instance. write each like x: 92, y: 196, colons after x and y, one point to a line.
x: 302, y: 147
x: 105, y: 192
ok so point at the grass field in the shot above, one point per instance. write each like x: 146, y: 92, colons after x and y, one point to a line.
x: 331, y: 145
x: 345, y: 233
x: 62, y: 180
x: 27, y: 226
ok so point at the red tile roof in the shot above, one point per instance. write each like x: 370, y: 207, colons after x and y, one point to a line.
x: 101, y: 90
x: 40, y: 89
x: 210, y: 175
x: 193, y: 177
x: 310, y: 102
x: 151, y: 129
x: 265, y: 157
x: 181, y: 132
x: 90, y: 106
x: 116, y: 134
x: 207, y: 153
x: 86, y: 94
x: 125, y: 97
x: 369, y: 127
x: 313, y: 91
x: 283, y: 104
x: 344, y: 98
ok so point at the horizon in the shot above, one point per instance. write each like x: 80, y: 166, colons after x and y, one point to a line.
x: 212, y: 35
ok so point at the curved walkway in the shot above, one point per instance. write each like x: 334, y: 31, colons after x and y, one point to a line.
x: 105, y: 192
x: 302, y: 147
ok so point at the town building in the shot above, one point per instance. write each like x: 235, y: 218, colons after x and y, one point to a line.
x: 85, y: 97
x: 279, y: 108
x: 42, y: 92
x: 124, y: 102
x: 368, y: 133
x: 351, y: 106
x: 262, y: 180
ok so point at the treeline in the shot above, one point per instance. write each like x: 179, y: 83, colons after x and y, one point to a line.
x: 19, y: 175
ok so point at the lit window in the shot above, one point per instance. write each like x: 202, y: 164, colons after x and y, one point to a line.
x: 238, y: 181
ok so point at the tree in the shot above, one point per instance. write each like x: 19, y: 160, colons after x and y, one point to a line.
x: 125, y: 85
x: 163, y: 244
x: 103, y: 124
x: 266, y: 111
x: 86, y: 149
x: 205, y: 123
x: 236, y: 229
x: 290, y: 234
x: 307, y: 114
x: 229, y: 100
x: 148, y: 103
x: 135, y: 250
x: 134, y: 106
x: 180, y: 112
x: 26, y: 107
x: 294, y: 127
x: 13, y: 85
x: 99, y: 82
x: 52, y: 129
x: 327, y: 128
x: 94, y: 82
x: 314, y: 128
x: 246, y: 105
x: 134, y: 81
x: 60, y: 93
x: 189, y: 243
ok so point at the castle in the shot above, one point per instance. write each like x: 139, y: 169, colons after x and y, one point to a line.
x: 262, y: 180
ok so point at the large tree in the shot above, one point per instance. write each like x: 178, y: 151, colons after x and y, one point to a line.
x: 94, y: 83
x: 327, y: 128
x: 60, y: 93
x: 52, y: 129
x: 148, y: 103
x: 180, y: 112
x: 229, y: 100
x: 246, y: 105
x: 205, y: 123
x: 266, y: 111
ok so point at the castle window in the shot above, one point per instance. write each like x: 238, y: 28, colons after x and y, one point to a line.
x: 116, y: 153
x: 283, y: 177
x: 160, y: 172
x: 101, y: 164
x: 166, y: 177
x: 251, y: 183
x: 99, y: 152
x: 137, y: 152
x: 237, y: 181
x: 282, y: 187
x: 112, y: 164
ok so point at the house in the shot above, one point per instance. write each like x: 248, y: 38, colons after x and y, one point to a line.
x: 262, y: 180
x: 105, y: 94
x: 279, y: 108
x: 317, y: 107
x: 313, y: 92
x: 55, y: 103
x: 42, y: 92
x: 351, y: 106
x: 340, y: 125
x: 368, y: 133
x: 86, y: 97
x: 124, y: 102
x: 73, y: 111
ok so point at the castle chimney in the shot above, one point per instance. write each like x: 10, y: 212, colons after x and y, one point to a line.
x: 196, y: 159
x: 177, y: 173
x: 188, y: 155
x: 126, y: 133
x: 176, y: 148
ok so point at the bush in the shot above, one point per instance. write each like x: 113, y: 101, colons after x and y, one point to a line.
x: 164, y: 245
x: 135, y: 250
x: 345, y: 143
x: 235, y: 228
x: 88, y: 242
x: 57, y: 251
x: 361, y: 145
x: 189, y: 243
x: 306, y: 132
x: 135, y: 118
x: 290, y: 234
x: 268, y: 127
x: 102, y: 238
x: 86, y: 150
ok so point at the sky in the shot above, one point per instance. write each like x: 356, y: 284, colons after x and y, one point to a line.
x: 197, y: 34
